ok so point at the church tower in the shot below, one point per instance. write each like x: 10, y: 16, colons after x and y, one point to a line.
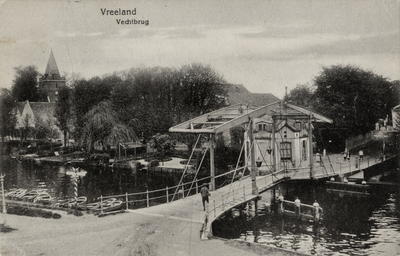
x: 51, y: 81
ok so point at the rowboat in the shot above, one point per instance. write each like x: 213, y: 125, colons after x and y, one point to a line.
x: 31, y: 195
x: 16, y: 194
x: 110, y: 206
x: 43, y: 198
x: 69, y: 203
x: 113, y: 206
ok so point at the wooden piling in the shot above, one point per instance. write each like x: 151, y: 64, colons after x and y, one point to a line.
x: 126, y: 200
x: 148, y: 200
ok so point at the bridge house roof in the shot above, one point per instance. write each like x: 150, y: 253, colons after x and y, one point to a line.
x: 225, y: 118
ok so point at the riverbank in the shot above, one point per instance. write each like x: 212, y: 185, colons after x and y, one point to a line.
x: 150, y: 231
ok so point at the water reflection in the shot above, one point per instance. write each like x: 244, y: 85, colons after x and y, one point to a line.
x: 350, y: 225
x: 97, y: 181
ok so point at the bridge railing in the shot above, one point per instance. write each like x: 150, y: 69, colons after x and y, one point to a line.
x: 165, y: 195
x: 222, y: 201
x: 242, y: 192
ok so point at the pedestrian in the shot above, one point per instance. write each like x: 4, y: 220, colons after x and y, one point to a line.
x: 344, y: 156
x: 204, y: 195
x: 348, y: 155
x: 316, y: 211
x: 297, y: 204
x: 361, y: 154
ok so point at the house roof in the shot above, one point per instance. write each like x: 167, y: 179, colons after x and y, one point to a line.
x: 238, y: 94
x: 283, y: 124
x: 20, y: 106
x: 52, y: 68
x: 42, y: 110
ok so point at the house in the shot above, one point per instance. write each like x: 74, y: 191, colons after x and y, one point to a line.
x: 396, y: 117
x: 36, y: 114
x: 41, y: 114
x: 292, y: 141
x: 237, y: 94
x: 279, y: 135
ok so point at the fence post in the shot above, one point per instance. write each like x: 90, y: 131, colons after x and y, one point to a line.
x: 126, y: 195
x: 197, y: 187
x: 214, y: 209
x: 223, y: 205
x: 233, y: 195
x: 167, y: 195
x: 101, y: 204
x: 244, y: 194
x: 147, y: 193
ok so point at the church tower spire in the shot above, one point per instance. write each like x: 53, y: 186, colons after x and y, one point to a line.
x: 51, y: 81
x: 52, y: 69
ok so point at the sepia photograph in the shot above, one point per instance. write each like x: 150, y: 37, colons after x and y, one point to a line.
x: 199, y: 128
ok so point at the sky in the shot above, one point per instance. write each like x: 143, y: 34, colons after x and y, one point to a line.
x: 265, y: 45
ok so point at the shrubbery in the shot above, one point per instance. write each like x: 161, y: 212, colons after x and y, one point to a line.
x: 32, y: 212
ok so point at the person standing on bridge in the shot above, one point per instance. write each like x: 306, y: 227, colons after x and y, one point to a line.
x: 316, y: 212
x: 297, y: 204
x: 204, y: 195
x: 361, y: 154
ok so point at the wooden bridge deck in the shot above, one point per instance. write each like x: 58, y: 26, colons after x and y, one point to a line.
x: 240, y: 192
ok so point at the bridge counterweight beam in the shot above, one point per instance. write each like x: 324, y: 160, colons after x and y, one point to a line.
x: 252, y: 159
x: 212, y: 168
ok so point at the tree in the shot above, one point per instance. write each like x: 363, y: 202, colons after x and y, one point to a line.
x: 24, y: 84
x: 163, y: 145
x: 8, y: 118
x: 63, y: 111
x: 301, y: 95
x: 201, y: 89
x: 354, y: 98
x: 88, y: 93
x: 45, y: 129
x: 103, y: 129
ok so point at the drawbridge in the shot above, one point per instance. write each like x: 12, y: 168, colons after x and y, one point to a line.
x: 282, y: 149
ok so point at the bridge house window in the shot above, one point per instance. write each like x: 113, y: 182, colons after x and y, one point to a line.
x: 286, y: 151
x: 265, y: 127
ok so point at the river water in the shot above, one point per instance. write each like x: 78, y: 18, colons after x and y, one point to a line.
x: 351, y: 225
x: 98, y: 181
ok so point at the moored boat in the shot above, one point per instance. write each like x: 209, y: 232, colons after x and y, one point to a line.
x: 31, y: 195
x: 43, y: 198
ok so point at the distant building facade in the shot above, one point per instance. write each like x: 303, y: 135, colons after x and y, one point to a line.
x: 238, y: 94
x: 36, y: 114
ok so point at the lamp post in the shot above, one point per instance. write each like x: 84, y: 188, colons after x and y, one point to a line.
x: 3, y: 199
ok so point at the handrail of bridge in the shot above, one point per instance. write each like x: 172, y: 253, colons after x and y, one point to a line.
x: 241, y: 192
x: 145, y: 196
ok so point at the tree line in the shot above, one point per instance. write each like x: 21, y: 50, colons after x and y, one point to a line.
x: 143, y: 102
x: 355, y: 99
x: 139, y: 102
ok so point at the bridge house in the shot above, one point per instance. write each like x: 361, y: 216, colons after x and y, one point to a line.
x: 279, y: 135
